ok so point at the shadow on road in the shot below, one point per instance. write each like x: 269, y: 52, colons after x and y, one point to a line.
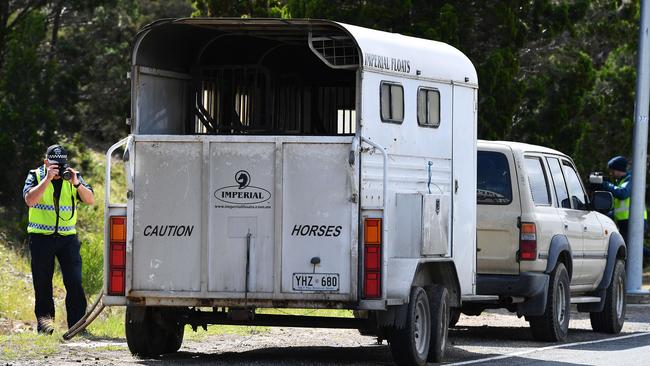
x: 371, y: 355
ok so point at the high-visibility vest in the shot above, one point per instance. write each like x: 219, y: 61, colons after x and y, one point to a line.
x: 622, y: 207
x: 43, y: 216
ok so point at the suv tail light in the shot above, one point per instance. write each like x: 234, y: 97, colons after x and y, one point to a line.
x: 372, y: 258
x: 117, y: 255
x: 528, y: 242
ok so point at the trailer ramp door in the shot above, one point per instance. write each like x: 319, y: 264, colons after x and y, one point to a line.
x: 319, y: 219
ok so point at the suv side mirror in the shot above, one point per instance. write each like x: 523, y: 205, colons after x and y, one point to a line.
x: 602, y: 201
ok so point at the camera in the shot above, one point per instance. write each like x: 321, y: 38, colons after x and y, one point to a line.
x: 596, y: 178
x: 64, y: 172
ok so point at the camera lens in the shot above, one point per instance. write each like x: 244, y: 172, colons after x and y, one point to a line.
x: 67, y: 175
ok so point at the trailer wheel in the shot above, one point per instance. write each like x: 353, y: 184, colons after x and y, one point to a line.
x: 611, y: 319
x: 440, y: 320
x: 553, y: 325
x: 410, y: 343
x: 151, y: 332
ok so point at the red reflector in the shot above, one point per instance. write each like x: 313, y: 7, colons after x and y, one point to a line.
x: 372, y: 285
x: 527, y: 250
x: 118, y: 255
x: 116, y: 282
x: 373, y: 257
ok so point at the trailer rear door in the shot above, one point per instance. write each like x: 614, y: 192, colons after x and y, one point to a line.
x: 234, y: 217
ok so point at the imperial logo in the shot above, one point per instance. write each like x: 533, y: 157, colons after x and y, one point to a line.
x: 243, y: 193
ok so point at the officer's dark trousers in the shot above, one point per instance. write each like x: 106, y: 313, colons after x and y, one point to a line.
x: 44, y: 248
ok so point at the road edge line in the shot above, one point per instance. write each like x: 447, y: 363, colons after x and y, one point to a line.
x: 521, y: 353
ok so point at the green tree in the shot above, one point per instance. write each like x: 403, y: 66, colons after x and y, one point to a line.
x: 24, y: 103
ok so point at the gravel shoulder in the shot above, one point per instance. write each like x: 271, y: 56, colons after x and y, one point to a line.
x: 493, y: 333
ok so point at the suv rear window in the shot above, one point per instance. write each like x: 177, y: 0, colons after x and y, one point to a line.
x: 537, y: 181
x: 493, y: 179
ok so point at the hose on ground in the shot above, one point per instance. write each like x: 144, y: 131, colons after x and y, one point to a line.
x: 88, y: 318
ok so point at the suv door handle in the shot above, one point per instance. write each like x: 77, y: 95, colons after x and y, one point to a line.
x: 566, y: 226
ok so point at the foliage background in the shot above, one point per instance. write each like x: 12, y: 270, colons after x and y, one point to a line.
x: 560, y: 73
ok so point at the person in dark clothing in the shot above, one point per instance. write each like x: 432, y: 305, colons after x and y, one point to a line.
x: 621, y: 189
x: 52, y: 191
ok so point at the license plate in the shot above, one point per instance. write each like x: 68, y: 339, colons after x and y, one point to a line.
x: 315, y: 281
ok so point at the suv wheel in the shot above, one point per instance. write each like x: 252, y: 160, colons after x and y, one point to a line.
x: 611, y: 319
x: 553, y: 325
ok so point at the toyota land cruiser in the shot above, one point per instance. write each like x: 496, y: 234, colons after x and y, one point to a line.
x: 543, y: 244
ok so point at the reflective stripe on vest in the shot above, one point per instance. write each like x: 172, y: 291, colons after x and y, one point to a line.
x: 622, y: 207
x: 43, y: 215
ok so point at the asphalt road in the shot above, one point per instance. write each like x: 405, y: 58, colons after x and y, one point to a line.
x: 494, y: 338
x: 511, y: 343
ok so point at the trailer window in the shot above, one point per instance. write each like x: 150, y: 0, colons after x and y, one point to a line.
x: 428, y: 107
x: 493, y: 179
x: 392, y: 102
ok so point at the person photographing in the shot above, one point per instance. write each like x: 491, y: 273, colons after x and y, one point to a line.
x: 621, y: 189
x: 52, y: 192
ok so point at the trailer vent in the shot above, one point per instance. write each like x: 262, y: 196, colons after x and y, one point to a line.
x: 338, y: 52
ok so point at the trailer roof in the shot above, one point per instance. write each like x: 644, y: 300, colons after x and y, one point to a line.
x: 176, y: 44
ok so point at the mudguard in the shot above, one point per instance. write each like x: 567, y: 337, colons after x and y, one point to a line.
x: 615, y: 242
x: 559, y: 243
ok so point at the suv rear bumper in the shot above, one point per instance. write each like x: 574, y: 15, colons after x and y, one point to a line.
x: 532, y: 286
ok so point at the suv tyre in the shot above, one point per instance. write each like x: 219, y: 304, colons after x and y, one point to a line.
x: 553, y: 325
x: 611, y: 319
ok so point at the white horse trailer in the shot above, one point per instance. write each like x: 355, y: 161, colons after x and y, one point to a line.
x: 294, y: 164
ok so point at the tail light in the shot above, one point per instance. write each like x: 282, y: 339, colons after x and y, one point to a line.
x: 117, y: 255
x: 372, y: 259
x: 528, y: 242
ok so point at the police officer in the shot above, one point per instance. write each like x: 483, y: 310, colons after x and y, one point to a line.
x: 52, y: 192
x: 621, y: 189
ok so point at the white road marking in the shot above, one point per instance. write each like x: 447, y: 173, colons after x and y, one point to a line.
x: 564, y: 345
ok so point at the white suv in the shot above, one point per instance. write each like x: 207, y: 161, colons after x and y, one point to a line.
x: 541, y: 243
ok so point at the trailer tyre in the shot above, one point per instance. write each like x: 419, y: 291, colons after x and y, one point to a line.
x: 151, y: 332
x: 611, y: 319
x: 553, y: 325
x: 410, y: 344
x: 440, y: 321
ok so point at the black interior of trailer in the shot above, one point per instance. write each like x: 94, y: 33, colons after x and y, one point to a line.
x: 263, y: 80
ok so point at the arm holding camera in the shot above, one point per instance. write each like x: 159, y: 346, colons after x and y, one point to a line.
x: 35, y: 194
x: 86, y: 195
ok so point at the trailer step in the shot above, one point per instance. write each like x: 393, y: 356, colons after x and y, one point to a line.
x: 480, y: 298
x: 584, y: 299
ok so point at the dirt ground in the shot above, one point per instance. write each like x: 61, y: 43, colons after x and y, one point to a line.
x: 493, y: 333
